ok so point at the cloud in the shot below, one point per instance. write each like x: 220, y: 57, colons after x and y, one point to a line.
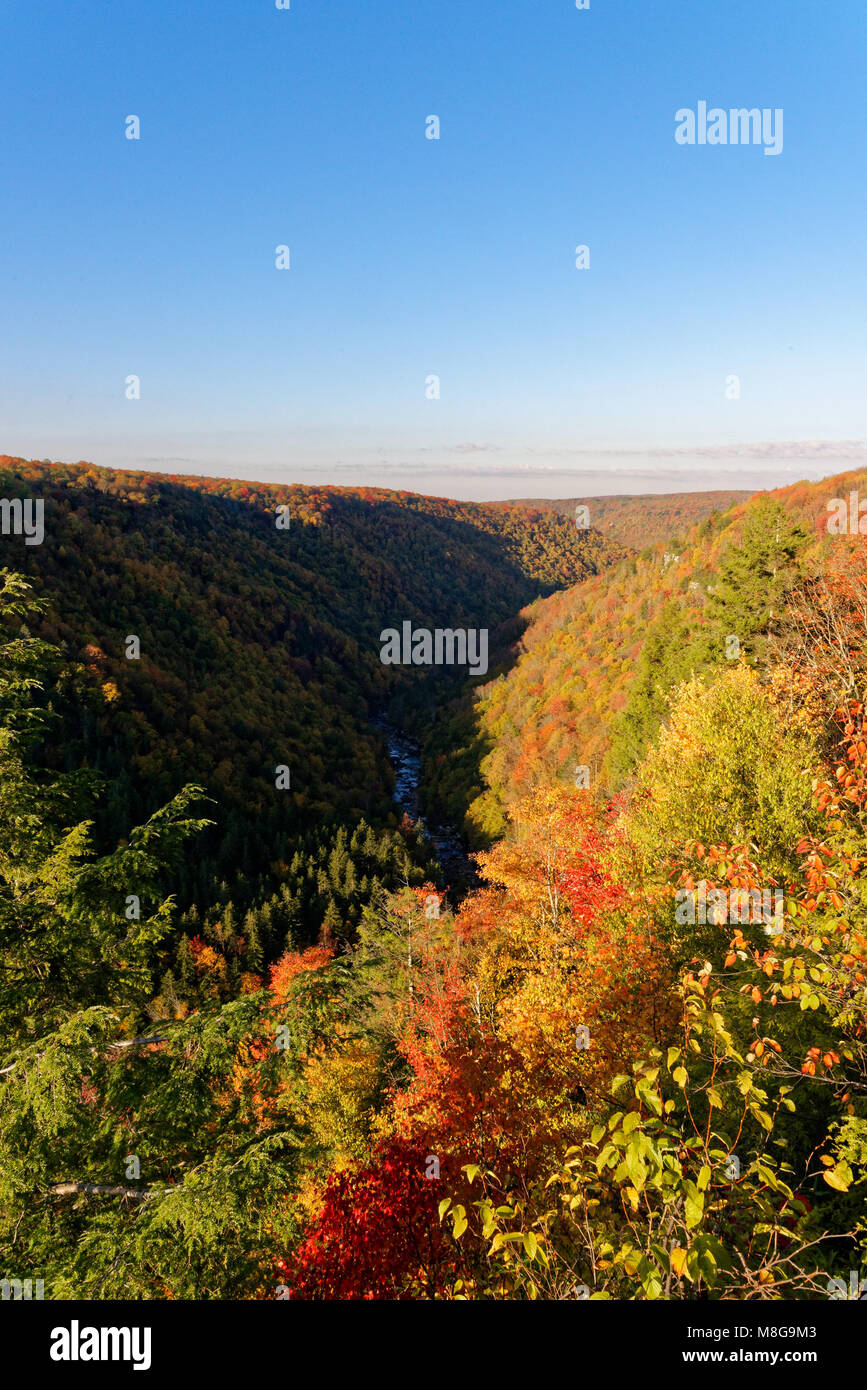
x: 654, y: 463
x: 781, y: 450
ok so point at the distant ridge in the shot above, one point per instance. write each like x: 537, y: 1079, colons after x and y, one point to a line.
x: 641, y: 519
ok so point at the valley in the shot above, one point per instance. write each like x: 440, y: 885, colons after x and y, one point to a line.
x: 404, y: 755
x: 353, y: 1032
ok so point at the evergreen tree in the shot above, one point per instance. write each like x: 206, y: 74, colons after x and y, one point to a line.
x: 748, y: 600
x: 253, y: 953
x: 185, y: 967
x: 670, y: 654
x: 745, y: 604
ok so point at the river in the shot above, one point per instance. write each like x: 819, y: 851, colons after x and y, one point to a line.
x: 405, y: 757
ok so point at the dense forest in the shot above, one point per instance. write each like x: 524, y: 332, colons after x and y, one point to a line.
x: 584, y: 676
x: 211, y: 637
x: 640, y: 520
x: 253, y: 1046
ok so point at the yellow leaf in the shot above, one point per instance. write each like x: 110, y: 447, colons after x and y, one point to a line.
x: 836, y: 1180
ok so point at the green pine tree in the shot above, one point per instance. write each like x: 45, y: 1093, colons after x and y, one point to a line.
x: 670, y: 654
x: 748, y: 600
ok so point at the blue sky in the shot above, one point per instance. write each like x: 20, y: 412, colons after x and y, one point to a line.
x: 412, y: 257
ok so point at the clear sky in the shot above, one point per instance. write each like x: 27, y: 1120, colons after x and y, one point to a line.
x: 455, y: 257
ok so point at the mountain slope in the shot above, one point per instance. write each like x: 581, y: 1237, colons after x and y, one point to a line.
x: 258, y: 646
x: 550, y: 706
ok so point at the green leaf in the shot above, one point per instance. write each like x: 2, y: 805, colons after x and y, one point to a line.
x: 606, y: 1157
x: 647, y: 1093
x: 694, y: 1205
x: 635, y: 1166
x: 693, y: 1212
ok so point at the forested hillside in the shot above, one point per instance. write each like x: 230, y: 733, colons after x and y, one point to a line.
x: 257, y: 642
x: 640, y: 519
x: 591, y: 666
x: 631, y: 1065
